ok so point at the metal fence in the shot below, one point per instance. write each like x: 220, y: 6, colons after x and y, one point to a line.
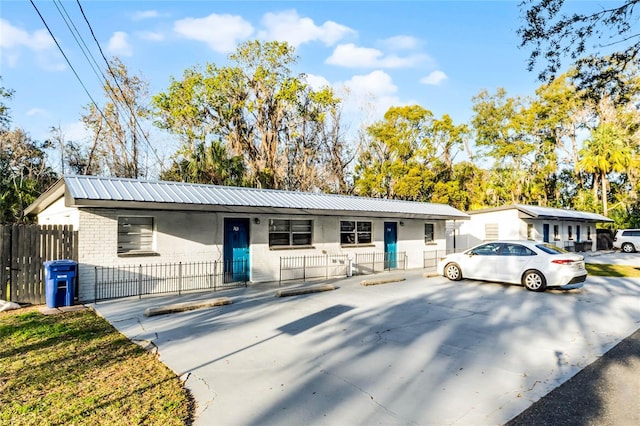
x: 370, y: 263
x: 430, y: 258
x: 138, y: 280
x: 310, y: 267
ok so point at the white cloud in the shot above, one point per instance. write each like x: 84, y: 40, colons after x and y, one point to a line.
x: 37, y: 111
x: 221, y: 33
x: 317, y: 82
x: 150, y: 35
x: 434, y: 78
x: 76, y: 131
x: 370, y: 95
x: 144, y: 14
x: 296, y: 30
x: 400, y: 42
x: 14, y: 37
x: 352, y: 56
x: 14, y: 40
x: 119, y: 44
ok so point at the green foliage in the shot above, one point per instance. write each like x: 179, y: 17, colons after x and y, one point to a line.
x: 261, y: 113
x: 24, y: 174
x: 208, y: 164
x: 586, y: 39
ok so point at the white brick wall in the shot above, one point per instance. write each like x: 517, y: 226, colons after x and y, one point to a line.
x: 181, y: 236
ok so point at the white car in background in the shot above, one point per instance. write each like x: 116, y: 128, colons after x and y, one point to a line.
x: 534, y: 264
x: 627, y: 240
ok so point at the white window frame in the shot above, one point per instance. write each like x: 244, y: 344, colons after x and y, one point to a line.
x: 135, y: 235
x: 356, y: 235
x: 531, y: 231
x: 433, y: 233
x: 275, y: 227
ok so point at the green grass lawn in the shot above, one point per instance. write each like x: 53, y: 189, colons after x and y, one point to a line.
x: 75, y: 368
x: 613, y: 270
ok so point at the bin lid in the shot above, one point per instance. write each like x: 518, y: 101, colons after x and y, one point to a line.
x: 61, y: 262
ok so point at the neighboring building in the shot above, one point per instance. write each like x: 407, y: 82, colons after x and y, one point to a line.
x: 570, y: 229
x: 125, y: 221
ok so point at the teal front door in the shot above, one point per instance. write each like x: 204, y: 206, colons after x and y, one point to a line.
x: 390, y: 245
x: 236, y: 250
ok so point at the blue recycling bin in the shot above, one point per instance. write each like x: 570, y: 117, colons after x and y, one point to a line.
x: 60, y: 282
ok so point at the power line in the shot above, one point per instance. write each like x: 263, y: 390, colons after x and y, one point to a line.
x: 94, y: 66
x: 116, y: 81
x: 72, y: 68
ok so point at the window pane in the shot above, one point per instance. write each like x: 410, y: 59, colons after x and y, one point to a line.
x: 364, y: 226
x: 347, y: 226
x: 278, y: 225
x: 301, y: 239
x: 135, y: 234
x: 364, y: 237
x: 428, y: 232
x: 279, y: 239
x: 301, y: 226
x: 347, y: 238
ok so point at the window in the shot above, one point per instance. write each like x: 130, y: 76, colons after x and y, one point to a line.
x: 491, y: 231
x: 531, y: 232
x: 355, y: 232
x: 429, y: 235
x: 516, y: 250
x: 570, y: 232
x: 556, y: 232
x: 285, y: 233
x: 491, y: 249
x: 588, y: 233
x: 135, y: 235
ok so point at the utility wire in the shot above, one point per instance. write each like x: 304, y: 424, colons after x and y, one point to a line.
x: 117, y: 83
x: 72, y: 68
x: 94, y: 66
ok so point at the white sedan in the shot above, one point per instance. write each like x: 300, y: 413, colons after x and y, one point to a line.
x: 533, y: 264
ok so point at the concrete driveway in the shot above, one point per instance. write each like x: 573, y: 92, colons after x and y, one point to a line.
x: 420, y: 351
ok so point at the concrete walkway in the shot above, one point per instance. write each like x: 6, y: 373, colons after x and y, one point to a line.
x: 418, y: 351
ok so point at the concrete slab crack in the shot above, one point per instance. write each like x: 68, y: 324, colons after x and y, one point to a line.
x: 200, y: 387
x: 369, y: 395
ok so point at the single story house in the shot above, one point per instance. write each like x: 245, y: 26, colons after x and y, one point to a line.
x: 570, y: 229
x: 125, y: 221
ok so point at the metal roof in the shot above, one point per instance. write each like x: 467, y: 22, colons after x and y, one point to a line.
x: 538, y: 212
x: 83, y: 191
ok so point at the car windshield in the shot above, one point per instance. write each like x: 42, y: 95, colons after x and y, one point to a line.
x: 551, y: 249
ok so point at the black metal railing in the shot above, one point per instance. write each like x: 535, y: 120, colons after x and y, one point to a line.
x: 313, y: 267
x: 370, y: 263
x: 112, y: 282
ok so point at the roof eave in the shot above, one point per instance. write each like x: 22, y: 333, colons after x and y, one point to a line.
x: 55, y: 192
x: 154, y: 205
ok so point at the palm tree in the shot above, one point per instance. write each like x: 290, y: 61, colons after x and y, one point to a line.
x: 604, y: 152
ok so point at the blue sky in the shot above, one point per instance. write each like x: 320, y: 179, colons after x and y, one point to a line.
x: 436, y: 54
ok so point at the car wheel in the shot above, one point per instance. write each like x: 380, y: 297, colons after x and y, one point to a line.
x: 453, y: 272
x: 534, y: 281
x: 628, y: 248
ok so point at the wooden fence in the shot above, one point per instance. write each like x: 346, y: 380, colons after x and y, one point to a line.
x: 23, y: 250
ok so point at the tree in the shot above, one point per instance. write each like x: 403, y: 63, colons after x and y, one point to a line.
x: 258, y: 109
x: 117, y: 132
x: 395, y: 163
x: 208, y: 164
x: 502, y: 129
x: 604, y: 152
x: 602, y: 67
x: 24, y: 172
x: 5, y: 117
